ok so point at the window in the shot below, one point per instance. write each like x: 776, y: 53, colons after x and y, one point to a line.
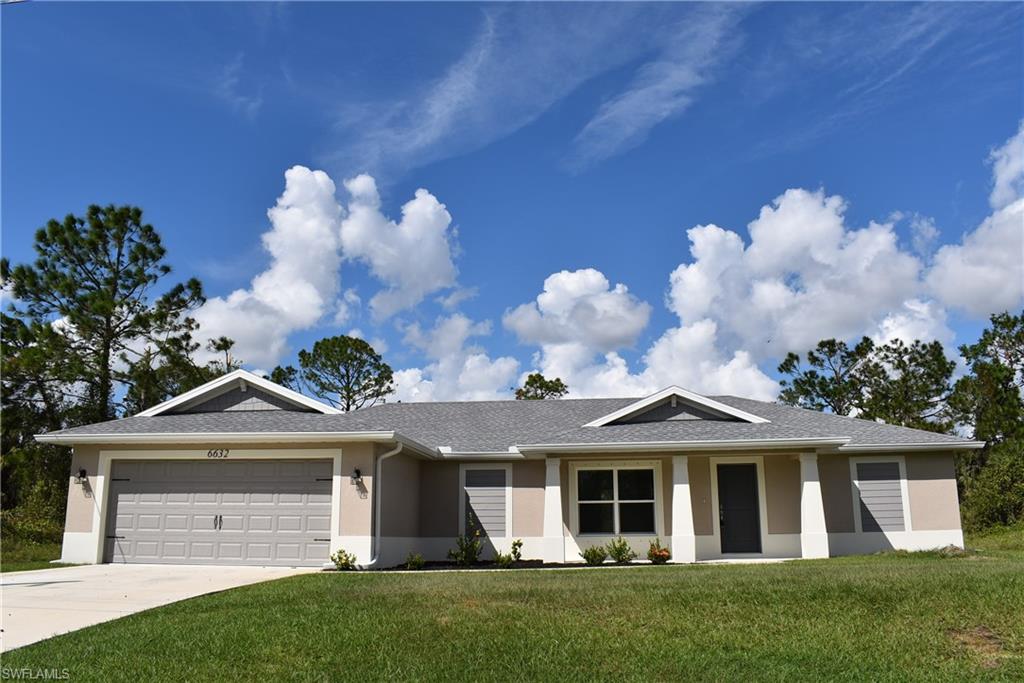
x: 616, y: 500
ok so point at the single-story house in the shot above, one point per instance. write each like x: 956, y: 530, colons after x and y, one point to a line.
x: 243, y: 471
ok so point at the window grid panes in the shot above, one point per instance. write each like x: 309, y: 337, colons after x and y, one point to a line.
x: 614, y: 501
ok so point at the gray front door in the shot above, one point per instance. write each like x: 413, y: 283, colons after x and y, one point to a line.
x: 739, y: 513
x: 258, y: 512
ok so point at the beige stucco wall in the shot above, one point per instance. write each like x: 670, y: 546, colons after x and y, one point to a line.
x: 528, y: 498
x: 700, y: 495
x: 81, y: 502
x: 400, y: 496
x: 931, y: 485
x: 836, y: 494
x: 439, y: 499
x: 782, y: 492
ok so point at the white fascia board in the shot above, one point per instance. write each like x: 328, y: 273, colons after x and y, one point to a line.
x: 247, y: 377
x: 895, y: 447
x: 481, y: 455
x: 687, y: 396
x: 661, y: 446
x: 238, y: 438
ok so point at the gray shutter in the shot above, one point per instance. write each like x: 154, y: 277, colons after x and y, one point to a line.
x: 485, y: 501
x: 881, y: 497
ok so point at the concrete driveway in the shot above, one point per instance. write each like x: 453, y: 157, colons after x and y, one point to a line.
x: 47, y: 602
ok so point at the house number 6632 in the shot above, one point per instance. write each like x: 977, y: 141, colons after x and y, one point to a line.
x: 217, y: 453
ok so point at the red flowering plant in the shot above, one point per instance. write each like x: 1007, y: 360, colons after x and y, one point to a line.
x: 658, y: 554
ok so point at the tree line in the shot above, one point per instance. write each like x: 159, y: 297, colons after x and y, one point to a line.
x: 94, y: 330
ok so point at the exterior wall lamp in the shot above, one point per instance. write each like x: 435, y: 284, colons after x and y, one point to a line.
x: 82, y: 477
x: 357, y: 477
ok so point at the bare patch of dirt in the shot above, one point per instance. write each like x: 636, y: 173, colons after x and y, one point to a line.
x: 982, y: 642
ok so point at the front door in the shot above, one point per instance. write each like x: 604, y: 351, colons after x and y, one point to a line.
x: 738, y: 508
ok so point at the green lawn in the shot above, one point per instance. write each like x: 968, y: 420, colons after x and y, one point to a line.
x: 18, y: 557
x: 884, y: 617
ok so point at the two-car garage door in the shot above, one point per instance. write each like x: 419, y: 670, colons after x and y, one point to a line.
x: 259, y: 512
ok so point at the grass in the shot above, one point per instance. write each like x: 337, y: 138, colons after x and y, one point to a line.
x: 21, y: 557
x: 921, y: 616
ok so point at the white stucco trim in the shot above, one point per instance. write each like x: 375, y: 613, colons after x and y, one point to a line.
x: 686, y: 396
x: 813, y: 534
x: 762, y: 501
x: 904, y: 490
x: 554, y: 527
x: 233, y: 378
x: 684, y: 544
x: 463, y: 467
x: 91, y: 550
x: 875, y: 541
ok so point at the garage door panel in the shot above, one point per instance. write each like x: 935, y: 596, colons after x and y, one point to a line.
x: 255, y: 512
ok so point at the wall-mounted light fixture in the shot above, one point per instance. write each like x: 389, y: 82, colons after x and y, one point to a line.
x: 82, y: 477
x: 357, y: 477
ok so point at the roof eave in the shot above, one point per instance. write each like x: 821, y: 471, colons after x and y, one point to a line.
x: 664, y: 446
x: 237, y: 438
x: 951, y: 446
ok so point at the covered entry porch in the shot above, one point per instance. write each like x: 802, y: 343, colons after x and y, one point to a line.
x: 702, y: 506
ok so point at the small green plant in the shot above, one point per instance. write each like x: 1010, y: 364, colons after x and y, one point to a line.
x: 594, y: 555
x: 343, y: 561
x: 517, y: 549
x: 620, y: 552
x: 504, y: 560
x: 414, y: 561
x: 467, y: 548
x: 657, y: 553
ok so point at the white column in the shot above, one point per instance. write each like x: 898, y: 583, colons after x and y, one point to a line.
x: 554, y: 539
x: 684, y: 545
x: 813, y: 535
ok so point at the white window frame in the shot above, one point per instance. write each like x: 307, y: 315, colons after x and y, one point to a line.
x: 463, y: 468
x: 574, y: 507
x: 762, y: 501
x: 904, y: 491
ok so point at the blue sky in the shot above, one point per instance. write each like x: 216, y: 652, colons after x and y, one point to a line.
x: 855, y: 170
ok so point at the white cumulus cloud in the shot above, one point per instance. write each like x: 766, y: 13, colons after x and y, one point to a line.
x: 457, y: 369
x: 413, y: 257
x: 581, y: 323
x: 300, y: 285
x: 804, y: 276
x: 580, y: 306
x: 984, y: 274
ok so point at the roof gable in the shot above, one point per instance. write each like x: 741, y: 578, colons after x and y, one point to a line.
x: 675, y: 403
x: 227, y: 393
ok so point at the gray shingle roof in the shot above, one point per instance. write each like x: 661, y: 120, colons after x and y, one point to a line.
x: 494, y: 426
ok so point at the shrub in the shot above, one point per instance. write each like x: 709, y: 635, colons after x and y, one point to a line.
x: 517, y: 549
x: 996, y: 496
x: 343, y: 561
x: 504, y: 560
x: 657, y: 553
x: 467, y: 548
x: 594, y: 555
x: 414, y: 561
x: 620, y: 552
x: 37, y: 519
